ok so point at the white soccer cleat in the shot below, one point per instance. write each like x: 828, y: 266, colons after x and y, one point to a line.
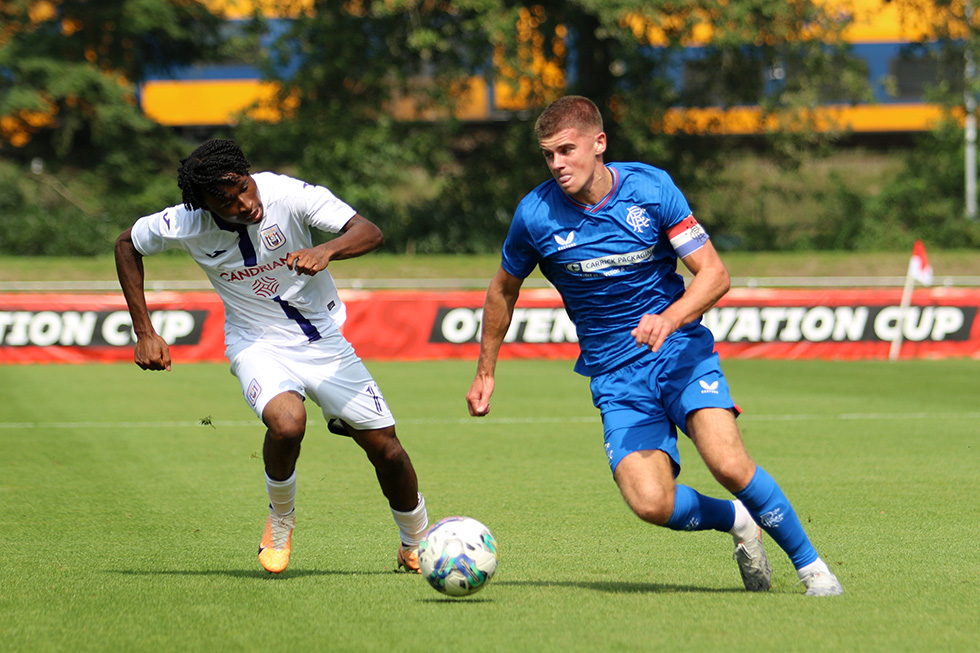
x: 753, y: 563
x: 819, y: 580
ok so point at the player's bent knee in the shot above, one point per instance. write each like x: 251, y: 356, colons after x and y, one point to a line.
x: 283, y: 431
x: 657, y: 513
x: 287, y: 427
x: 645, y: 479
x: 392, y: 452
x: 381, y: 445
x: 654, y: 506
x: 734, y: 475
x: 285, y: 417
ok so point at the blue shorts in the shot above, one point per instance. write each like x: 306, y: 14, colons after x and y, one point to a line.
x: 643, y: 403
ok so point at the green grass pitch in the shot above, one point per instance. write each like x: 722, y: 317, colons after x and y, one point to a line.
x: 130, y: 525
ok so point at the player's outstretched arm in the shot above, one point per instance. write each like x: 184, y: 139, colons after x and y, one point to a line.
x: 359, y: 236
x: 498, y: 310
x: 152, y: 352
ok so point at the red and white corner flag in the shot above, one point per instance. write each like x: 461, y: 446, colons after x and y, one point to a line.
x: 919, y: 268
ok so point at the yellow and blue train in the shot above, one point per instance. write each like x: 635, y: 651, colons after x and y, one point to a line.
x: 887, y: 41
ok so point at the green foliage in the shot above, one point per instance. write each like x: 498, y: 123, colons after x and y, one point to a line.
x: 853, y: 200
x: 346, y: 70
x: 77, y: 66
x: 439, y: 185
x: 432, y: 182
x: 926, y: 198
x: 67, y: 95
x: 67, y: 212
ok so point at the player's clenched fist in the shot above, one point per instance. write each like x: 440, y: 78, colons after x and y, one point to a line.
x: 478, y: 398
x: 152, y: 353
x: 652, y: 330
x: 306, y: 261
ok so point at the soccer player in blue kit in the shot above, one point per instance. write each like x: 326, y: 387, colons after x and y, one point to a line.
x: 608, y: 237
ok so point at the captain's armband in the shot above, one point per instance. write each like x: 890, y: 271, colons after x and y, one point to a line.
x: 687, y: 236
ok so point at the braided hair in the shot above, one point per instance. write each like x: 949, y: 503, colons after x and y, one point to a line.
x: 213, y: 163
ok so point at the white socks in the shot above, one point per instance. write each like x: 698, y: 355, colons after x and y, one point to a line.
x: 282, y: 494
x: 817, y: 566
x: 744, y: 527
x: 413, y: 524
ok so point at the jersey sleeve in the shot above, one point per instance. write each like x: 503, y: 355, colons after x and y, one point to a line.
x: 158, y: 232
x: 519, y: 256
x: 322, y: 209
x: 685, y: 233
x: 673, y: 205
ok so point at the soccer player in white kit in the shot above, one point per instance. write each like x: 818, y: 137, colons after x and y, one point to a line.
x: 251, y: 234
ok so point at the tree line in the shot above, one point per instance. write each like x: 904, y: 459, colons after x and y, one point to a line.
x: 79, y: 161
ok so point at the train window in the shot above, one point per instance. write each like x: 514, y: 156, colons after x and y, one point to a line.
x: 724, y: 78
x: 832, y: 89
x: 914, y: 73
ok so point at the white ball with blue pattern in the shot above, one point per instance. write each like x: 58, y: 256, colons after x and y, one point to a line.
x: 458, y: 556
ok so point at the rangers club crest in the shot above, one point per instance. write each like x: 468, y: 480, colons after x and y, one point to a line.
x: 637, y: 218
x: 272, y: 237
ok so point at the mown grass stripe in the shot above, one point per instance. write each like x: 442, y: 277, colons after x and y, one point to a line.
x: 800, y: 417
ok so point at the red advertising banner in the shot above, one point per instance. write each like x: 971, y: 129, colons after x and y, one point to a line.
x: 400, y: 325
x: 845, y: 324
x: 86, y: 328
x: 416, y: 326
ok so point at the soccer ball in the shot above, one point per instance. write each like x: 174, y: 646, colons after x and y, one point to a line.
x: 458, y: 556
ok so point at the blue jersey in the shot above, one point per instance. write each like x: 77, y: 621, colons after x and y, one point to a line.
x: 612, y: 262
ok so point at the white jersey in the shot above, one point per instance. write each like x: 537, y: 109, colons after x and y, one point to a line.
x: 263, y: 299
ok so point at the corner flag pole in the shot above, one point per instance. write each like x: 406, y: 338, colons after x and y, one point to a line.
x: 970, y: 124
x: 902, y: 310
x: 919, y: 270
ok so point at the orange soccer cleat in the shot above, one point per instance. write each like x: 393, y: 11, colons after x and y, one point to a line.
x: 277, y: 541
x: 408, y: 559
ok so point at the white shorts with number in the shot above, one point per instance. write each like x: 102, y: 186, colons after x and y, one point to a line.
x: 328, y: 371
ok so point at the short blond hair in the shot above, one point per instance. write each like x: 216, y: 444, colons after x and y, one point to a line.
x: 571, y: 111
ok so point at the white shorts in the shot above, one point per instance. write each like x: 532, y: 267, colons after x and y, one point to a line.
x: 328, y: 371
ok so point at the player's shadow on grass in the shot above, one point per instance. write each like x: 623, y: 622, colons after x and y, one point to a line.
x: 248, y: 573
x: 620, y: 587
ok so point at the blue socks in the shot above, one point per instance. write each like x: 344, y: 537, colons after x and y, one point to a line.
x: 766, y: 503
x: 696, y: 512
x: 771, y: 509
